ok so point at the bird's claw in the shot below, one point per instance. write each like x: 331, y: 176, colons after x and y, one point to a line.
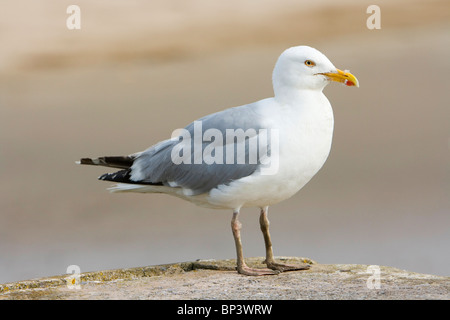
x: 282, y: 267
x: 245, y: 270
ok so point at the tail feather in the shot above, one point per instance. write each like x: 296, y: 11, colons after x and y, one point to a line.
x: 126, y: 187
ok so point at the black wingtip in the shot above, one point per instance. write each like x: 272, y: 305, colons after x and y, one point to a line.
x: 124, y: 176
x: 86, y: 161
x: 121, y: 162
x: 119, y: 176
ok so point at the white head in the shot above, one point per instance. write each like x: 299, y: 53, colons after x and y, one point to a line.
x: 305, y: 68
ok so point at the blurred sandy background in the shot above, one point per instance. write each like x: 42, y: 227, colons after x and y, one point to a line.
x: 139, y: 69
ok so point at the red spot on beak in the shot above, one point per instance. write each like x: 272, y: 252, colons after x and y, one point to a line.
x: 348, y: 83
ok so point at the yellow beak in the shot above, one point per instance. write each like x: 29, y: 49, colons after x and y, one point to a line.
x: 343, y: 77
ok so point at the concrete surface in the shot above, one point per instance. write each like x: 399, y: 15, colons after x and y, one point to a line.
x: 216, y: 279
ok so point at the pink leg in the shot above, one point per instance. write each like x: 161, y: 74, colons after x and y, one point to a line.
x: 270, y: 261
x: 242, y: 268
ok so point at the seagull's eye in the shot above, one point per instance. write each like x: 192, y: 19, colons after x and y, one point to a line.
x: 310, y: 63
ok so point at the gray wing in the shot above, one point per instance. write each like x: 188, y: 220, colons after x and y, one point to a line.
x: 203, y: 164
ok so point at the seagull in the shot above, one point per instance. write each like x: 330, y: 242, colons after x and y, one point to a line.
x: 254, y: 155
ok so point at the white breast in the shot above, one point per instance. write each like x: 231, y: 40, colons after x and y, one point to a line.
x: 305, y: 134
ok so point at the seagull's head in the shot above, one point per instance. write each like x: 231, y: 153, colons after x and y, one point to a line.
x: 305, y: 68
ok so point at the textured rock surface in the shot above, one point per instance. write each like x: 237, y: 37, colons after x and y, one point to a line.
x: 216, y: 279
